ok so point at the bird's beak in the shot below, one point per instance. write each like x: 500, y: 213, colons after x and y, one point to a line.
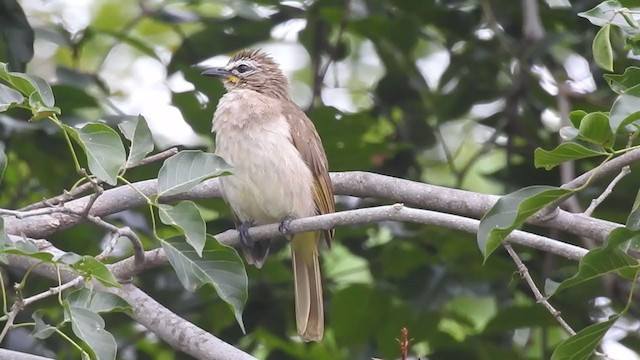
x: 221, y: 73
x: 217, y: 72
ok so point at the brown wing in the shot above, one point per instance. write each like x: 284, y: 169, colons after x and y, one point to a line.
x: 306, y: 139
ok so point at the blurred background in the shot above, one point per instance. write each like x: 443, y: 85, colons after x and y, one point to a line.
x: 451, y: 92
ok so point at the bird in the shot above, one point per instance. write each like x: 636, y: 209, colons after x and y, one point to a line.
x: 280, y: 172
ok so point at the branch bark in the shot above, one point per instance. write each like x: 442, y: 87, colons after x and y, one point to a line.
x: 398, y: 212
x: 360, y: 184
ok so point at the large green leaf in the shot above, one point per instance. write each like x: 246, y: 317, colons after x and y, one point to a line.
x: 581, y: 345
x: 186, y: 217
x: 137, y: 131
x: 29, y: 85
x: 564, y: 152
x: 603, y: 260
x: 626, y: 109
x: 608, y: 12
x: 9, y: 97
x: 89, y: 326
x: 219, y: 266
x: 41, y: 330
x: 621, y: 82
x: 90, y: 267
x: 27, y: 248
x: 594, y: 128
x: 602, y: 50
x: 97, y: 301
x: 188, y: 168
x: 511, y: 211
x: 104, y: 149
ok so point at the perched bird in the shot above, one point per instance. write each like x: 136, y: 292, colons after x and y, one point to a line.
x: 280, y: 172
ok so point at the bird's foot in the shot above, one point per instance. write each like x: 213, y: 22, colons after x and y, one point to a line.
x: 245, y: 238
x: 284, y: 225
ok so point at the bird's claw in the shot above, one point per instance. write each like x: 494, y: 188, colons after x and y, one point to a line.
x: 245, y: 238
x: 284, y: 225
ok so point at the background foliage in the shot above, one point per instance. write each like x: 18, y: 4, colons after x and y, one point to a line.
x: 456, y: 93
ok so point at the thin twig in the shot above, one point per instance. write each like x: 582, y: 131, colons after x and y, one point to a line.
x: 10, y: 319
x: 70, y: 195
x: 52, y: 291
x: 138, y: 249
x: 21, y: 303
x: 597, y: 201
x: 524, y: 273
x: 157, y: 157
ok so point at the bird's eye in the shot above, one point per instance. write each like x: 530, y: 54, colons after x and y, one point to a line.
x: 242, y: 68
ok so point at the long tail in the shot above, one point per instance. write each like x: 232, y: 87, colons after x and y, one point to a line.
x: 308, y: 286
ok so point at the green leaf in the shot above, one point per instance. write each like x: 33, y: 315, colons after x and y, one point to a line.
x: 608, y: 12
x: 188, y: 168
x: 9, y: 97
x: 89, y: 327
x: 626, y: 109
x: 564, y: 152
x: 27, y: 248
x: 594, y: 128
x: 511, y: 211
x: 43, y: 112
x: 36, y: 89
x: 576, y: 117
x: 137, y: 131
x: 603, y: 260
x: 186, y: 217
x: 220, y: 266
x: 41, y: 330
x: 581, y: 345
x: 620, y: 83
x: 602, y: 50
x: 89, y: 266
x: 43, y: 94
x: 633, y: 220
x: 104, y: 149
x: 16, y: 81
x: 97, y: 301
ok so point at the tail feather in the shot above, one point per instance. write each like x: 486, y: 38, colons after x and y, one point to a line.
x: 308, y: 286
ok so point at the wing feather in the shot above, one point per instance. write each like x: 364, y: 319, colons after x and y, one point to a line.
x: 305, y: 138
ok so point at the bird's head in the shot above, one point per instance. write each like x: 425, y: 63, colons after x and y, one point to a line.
x: 253, y: 70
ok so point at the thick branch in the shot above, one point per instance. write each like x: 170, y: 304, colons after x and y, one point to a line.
x: 15, y: 355
x: 361, y: 184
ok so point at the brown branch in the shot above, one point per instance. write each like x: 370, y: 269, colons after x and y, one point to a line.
x: 524, y: 273
x: 398, y: 212
x: 360, y: 184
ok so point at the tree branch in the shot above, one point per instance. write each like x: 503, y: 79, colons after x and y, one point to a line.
x: 360, y: 184
x: 398, y: 212
x: 15, y: 355
x: 180, y: 333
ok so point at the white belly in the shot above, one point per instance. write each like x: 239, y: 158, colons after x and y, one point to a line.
x: 270, y: 181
